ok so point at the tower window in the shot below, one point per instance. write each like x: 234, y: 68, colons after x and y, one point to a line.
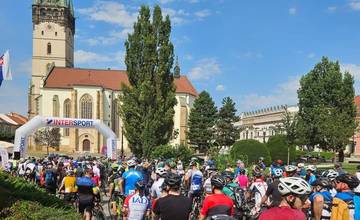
x: 49, y: 48
x: 55, y: 34
x: 42, y: 32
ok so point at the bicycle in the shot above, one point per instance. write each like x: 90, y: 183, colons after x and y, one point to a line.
x: 118, y: 201
x: 98, y: 211
x: 197, y: 201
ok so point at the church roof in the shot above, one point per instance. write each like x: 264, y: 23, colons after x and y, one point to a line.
x: 63, y: 77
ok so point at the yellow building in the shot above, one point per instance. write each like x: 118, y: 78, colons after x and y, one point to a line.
x: 57, y: 89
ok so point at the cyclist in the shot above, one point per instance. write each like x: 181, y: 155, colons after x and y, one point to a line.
x: 243, y: 179
x: 301, y: 170
x: 207, y: 183
x: 258, y: 188
x: 294, y: 191
x: 86, y: 191
x: 344, y: 185
x: 291, y: 171
x: 172, y: 206
x: 321, y: 200
x: 68, y: 184
x: 129, y: 178
x: 156, y: 187
x: 272, y: 190
x: 114, y: 188
x: 50, y: 176
x: 194, y: 178
x: 310, y: 176
x: 217, y: 203
x: 137, y: 205
x: 261, y: 163
x: 230, y: 186
x: 331, y: 175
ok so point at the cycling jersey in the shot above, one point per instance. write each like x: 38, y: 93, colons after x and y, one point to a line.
x: 217, y: 204
x: 229, y: 190
x: 283, y: 213
x: 243, y: 181
x: 137, y: 206
x: 259, y: 187
x: 273, y: 191
x: 174, y: 207
x: 156, y: 188
x: 131, y: 177
x: 326, y: 212
x: 69, y: 184
x: 85, y: 190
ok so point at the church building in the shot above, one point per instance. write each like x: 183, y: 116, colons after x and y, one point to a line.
x: 58, y: 89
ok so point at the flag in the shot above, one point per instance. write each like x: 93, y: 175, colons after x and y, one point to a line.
x: 5, y: 71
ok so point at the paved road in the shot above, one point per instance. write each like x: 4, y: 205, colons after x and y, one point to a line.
x: 105, y: 202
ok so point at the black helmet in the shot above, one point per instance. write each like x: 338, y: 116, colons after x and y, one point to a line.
x: 228, y: 174
x: 257, y: 174
x: 173, y: 180
x: 350, y: 180
x: 218, y: 181
x: 323, y: 182
x: 140, y: 185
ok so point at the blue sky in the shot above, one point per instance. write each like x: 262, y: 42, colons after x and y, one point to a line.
x: 253, y: 51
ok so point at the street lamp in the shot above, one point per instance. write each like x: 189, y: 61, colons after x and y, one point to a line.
x: 122, y: 143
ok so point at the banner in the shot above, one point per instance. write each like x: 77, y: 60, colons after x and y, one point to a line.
x: 4, y: 157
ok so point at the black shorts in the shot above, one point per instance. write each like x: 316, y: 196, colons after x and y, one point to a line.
x: 86, y: 205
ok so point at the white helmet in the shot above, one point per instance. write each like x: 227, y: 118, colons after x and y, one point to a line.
x: 278, y: 172
x: 295, y: 185
x: 161, y: 171
x: 331, y: 174
x: 312, y: 168
x: 301, y: 165
x: 290, y: 168
x: 131, y: 163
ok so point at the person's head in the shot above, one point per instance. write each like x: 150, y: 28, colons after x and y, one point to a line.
x: 131, y: 163
x: 279, y: 162
x: 229, y: 176
x: 172, y: 165
x: 330, y: 174
x: 114, y: 167
x: 290, y: 170
x: 193, y: 165
x: 257, y: 174
x: 217, y: 183
x: 173, y: 181
x: 321, y: 184
x: 337, y: 165
x: 70, y: 173
x: 310, y: 169
x: 242, y: 172
x: 346, y: 182
x: 278, y: 173
x: 301, y: 165
x: 238, y: 163
x: 140, y: 186
x: 294, y: 191
x: 89, y: 172
x: 161, y: 172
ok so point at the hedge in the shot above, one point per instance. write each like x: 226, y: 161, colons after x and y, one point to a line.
x: 181, y: 152
x: 278, y: 148
x: 252, y: 149
x: 326, y: 154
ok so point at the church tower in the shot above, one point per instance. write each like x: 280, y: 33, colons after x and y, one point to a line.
x: 53, y: 43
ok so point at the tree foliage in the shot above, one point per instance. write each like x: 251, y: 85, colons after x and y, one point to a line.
x: 226, y: 133
x: 252, y: 148
x: 148, y: 103
x: 326, y: 107
x: 180, y: 152
x: 49, y: 137
x: 201, y: 122
x: 278, y: 148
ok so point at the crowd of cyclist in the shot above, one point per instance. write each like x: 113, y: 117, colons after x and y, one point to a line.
x: 170, y: 190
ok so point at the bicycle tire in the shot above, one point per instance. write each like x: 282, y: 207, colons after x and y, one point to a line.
x: 98, y: 214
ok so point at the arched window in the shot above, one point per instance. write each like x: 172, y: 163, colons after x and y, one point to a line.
x: 56, y: 106
x: 67, y: 110
x: 49, y: 48
x: 86, y: 106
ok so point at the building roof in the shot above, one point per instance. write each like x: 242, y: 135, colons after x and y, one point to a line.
x: 63, y: 77
x: 357, y: 100
x: 13, y: 118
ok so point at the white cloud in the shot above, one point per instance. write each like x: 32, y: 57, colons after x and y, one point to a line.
x: 87, y: 57
x: 292, y: 11
x: 203, y: 13
x: 353, y: 69
x: 220, y: 88
x: 188, y: 57
x: 331, y: 9
x: 284, y: 93
x: 205, y: 69
x: 311, y: 55
x: 110, y: 12
x: 177, y: 17
x: 355, y: 5
x: 114, y: 37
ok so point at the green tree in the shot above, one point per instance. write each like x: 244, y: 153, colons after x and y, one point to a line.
x: 278, y: 148
x: 148, y: 103
x: 49, y: 137
x: 226, y: 133
x: 253, y: 149
x: 201, y: 122
x: 326, y: 107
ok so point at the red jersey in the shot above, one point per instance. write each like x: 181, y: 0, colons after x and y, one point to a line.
x: 217, y: 204
x: 283, y: 213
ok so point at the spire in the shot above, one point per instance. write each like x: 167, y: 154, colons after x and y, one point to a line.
x: 177, y: 68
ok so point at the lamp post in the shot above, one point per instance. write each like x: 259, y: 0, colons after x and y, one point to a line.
x: 122, y: 143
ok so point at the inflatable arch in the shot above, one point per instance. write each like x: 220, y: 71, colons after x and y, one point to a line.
x: 22, y: 133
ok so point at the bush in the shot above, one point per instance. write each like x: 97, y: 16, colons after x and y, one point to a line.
x: 252, y: 148
x: 180, y: 152
x: 278, y: 148
x: 327, y: 155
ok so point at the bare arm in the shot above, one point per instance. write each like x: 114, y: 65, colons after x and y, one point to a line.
x: 318, y: 207
x: 201, y: 217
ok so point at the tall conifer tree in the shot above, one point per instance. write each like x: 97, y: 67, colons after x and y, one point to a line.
x: 148, y: 102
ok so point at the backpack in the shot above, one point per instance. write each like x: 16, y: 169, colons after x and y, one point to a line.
x: 340, y: 210
x: 196, y: 183
x: 239, y: 196
x: 49, y: 178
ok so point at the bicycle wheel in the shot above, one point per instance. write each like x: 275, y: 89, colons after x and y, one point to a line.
x: 98, y: 215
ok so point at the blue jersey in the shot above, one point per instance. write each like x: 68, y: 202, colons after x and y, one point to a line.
x: 131, y: 177
x: 312, y: 179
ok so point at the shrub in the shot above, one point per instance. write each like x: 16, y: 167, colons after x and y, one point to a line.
x: 278, y: 148
x: 252, y: 148
x: 181, y: 152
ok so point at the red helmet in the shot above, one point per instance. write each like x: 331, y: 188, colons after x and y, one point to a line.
x: 280, y: 162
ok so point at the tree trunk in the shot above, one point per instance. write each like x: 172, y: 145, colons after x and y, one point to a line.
x: 341, y: 155
x: 47, y: 150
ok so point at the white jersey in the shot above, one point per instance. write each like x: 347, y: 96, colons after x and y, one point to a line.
x: 259, y: 187
x: 156, y: 188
